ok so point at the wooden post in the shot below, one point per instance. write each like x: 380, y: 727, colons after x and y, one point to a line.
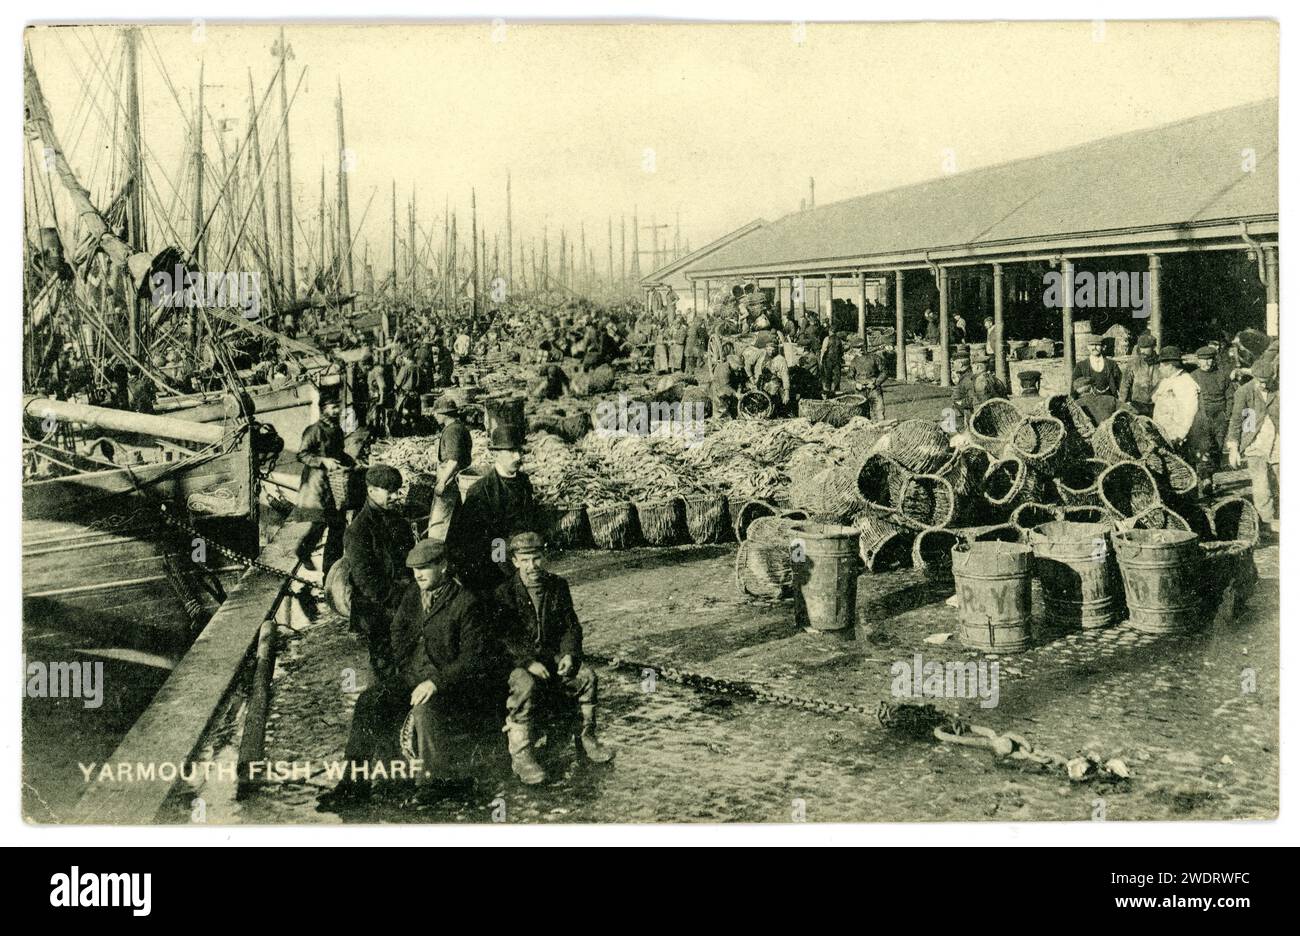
x: 695, y: 298
x: 945, y: 370
x: 862, y: 306
x: 900, y: 344
x: 830, y: 301
x: 1271, y: 323
x: 1000, y: 347
x: 1153, y: 299
x: 1067, y: 320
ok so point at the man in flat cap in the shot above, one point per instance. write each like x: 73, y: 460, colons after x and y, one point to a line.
x: 977, y: 385
x: 1175, y: 401
x: 499, y: 505
x: 830, y: 362
x: 1104, y: 377
x: 455, y: 454
x: 1213, y: 408
x: 1253, y: 437
x: 321, y: 452
x: 868, y: 370
x: 445, y: 661
x: 1139, y: 382
x: 376, y: 544
x: 543, y: 645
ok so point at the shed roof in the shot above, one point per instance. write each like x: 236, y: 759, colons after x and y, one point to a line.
x: 1175, y: 177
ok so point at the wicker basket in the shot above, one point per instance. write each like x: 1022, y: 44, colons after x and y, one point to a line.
x: 845, y: 407
x: 613, y: 526
x: 966, y: 469
x: 1158, y: 517
x: 1037, y: 439
x: 341, y: 489
x: 814, y: 410
x: 1227, y: 563
x: 1114, y: 440
x: 1128, y: 489
x: 1068, y: 411
x: 992, y: 424
x: 750, y: 511
x: 927, y: 501
x: 884, y: 544
x: 706, y: 517
x: 566, y: 526
x: 919, y: 445
x: 1010, y: 482
x: 827, y: 495
x: 1030, y: 515
x: 1234, y: 519
x: 1147, y: 434
x: 1175, y: 477
x: 662, y: 523
x: 758, y: 577
x: 932, y: 554
x: 1087, y: 513
x: 754, y: 404
x: 1078, y: 482
x: 881, y: 480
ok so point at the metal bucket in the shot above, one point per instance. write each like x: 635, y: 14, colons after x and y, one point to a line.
x: 826, y: 570
x: 1162, y: 572
x: 1075, y: 565
x: 994, y: 585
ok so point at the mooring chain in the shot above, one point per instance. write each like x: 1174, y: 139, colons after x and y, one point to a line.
x: 248, y: 562
x: 907, y: 719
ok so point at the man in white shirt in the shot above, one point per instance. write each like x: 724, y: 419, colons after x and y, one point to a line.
x: 1176, y: 398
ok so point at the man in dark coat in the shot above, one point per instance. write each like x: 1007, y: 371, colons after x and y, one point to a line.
x: 499, y: 505
x: 868, y: 379
x: 976, y: 386
x: 1103, y: 374
x: 543, y: 646
x: 1214, y: 405
x: 445, y: 657
x: 1138, y: 385
x: 320, y: 453
x: 376, y: 544
x: 455, y: 454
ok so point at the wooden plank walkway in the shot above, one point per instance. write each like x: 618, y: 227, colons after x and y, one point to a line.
x: 170, y: 730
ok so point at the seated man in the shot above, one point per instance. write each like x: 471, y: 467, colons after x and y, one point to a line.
x: 445, y: 659
x: 1098, y: 406
x: 727, y: 383
x: 543, y: 642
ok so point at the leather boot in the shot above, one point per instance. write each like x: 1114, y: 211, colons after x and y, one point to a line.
x: 596, y: 752
x: 522, y: 761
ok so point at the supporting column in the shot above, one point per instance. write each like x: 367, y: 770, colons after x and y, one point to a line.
x: 695, y: 298
x: 945, y: 369
x: 1000, y: 346
x: 1067, y: 320
x: 830, y: 301
x: 1153, y: 300
x: 1271, y: 323
x: 862, y: 307
x: 900, y: 343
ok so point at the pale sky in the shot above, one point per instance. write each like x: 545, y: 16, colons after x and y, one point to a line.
x: 737, y: 117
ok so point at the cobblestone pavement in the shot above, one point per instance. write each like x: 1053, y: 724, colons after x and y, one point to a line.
x: 1173, y: 708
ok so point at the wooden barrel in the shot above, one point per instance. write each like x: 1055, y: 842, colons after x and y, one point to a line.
x: 1161, y: 571
x: 994, y: 581
x: 1076, y: 568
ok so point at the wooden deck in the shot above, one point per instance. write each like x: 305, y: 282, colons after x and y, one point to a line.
x: 171, y: 729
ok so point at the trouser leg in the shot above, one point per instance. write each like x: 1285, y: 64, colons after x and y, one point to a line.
x: 1263, y: 486
x: 520, y: 704
x: 334, y: 529
x: 581, y: 687
x: 432, y: 741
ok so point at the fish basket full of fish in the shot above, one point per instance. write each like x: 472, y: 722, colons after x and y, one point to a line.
x: 613, y: 526
x: 707, y: 518
x: 662, y: 522
x: 755, y: 404
x: 566, y: 526
x: 843, y: 408
x: 814, y: 410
